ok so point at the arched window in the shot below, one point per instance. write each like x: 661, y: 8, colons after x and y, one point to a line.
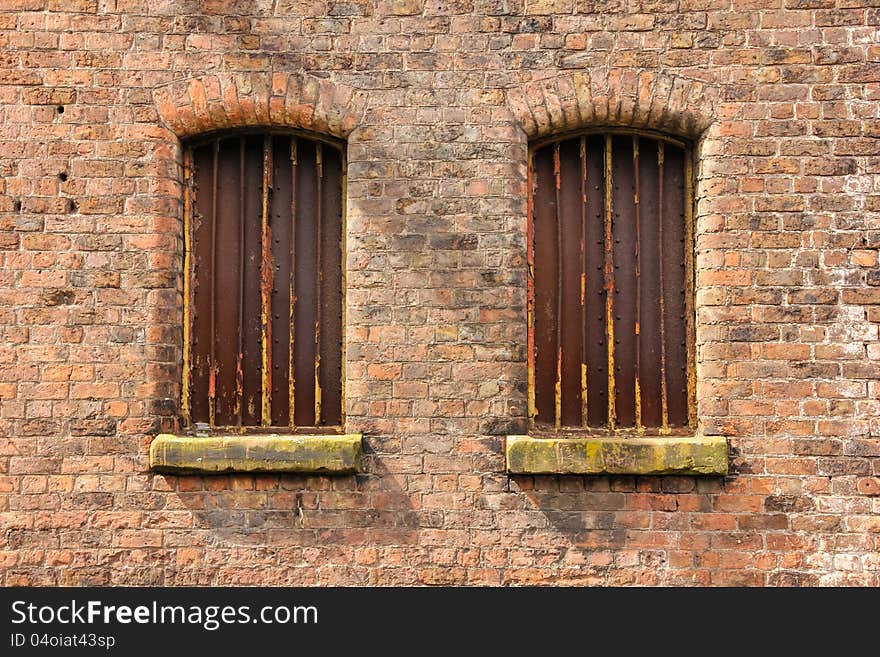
x: 263, y: 282
x: 611, y: 314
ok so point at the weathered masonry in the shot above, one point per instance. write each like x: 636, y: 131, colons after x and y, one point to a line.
x: 404, y: 293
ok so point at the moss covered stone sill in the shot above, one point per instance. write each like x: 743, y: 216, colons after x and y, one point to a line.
x: 301, y: 454
x: 654, y: 455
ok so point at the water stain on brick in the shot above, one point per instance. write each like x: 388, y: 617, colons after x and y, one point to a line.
x: 789, y: 503
x: 59, y: 297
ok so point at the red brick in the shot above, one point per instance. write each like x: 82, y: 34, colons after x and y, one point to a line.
x: 869, y: 486
x: 787, y: 302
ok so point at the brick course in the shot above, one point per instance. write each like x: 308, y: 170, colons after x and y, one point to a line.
x: 437, y: 102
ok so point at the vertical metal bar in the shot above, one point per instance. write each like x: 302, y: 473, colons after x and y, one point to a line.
x: 583, y: 277
x: 609, y: 284
x: 557, y: 390
x: 689, y: 180
x: 187, y: 286
x: 675, y: 285
x: 239, y: 369
x: 342, y: 277
x: 649, y: 287
x: 331, y: 287
x: 252, y: 342
x: 280, y: 224
x: 637, y: 378
x: 292, y: 282
x: 318, y: 276
x: 305, y: 284
x: 664, y: 408
x: 623, y: 234
x: 545, y: 285
x: 212, y: 372
x: 266, y: 279
x: 570, y: 271
x: 227, y: 283
x: 596, y: 345
x: 201, y: 287
x: 530, y: 291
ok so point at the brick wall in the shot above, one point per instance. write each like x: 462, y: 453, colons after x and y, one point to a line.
x: 437, y: 101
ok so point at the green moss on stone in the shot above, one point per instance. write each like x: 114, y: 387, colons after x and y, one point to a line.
x: 704, y: 455
x: 316, y: 454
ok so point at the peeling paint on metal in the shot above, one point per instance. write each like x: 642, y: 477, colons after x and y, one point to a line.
x: 266, y: 281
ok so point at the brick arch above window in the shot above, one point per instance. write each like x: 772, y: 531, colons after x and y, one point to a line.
x: 240, y: 100
x: 574, y: 100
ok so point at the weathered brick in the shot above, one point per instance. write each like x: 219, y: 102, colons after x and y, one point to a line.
x: 437, y: 102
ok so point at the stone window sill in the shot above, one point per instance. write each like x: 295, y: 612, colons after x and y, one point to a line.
x: 649, y: 455
x: 300, y: 454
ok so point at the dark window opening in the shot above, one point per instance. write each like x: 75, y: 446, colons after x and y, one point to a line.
x: 263, y: 343
x: 610, y: 249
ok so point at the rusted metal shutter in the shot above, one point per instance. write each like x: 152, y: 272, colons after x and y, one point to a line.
x: 611, y: 288
x: 263, y: 343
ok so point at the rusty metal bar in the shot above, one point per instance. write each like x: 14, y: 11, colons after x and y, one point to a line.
x: 530, y: 289
x: 227, y: 280
x: 343, y: 285
x: 239, y: 368
x: 638, y: 309
x: 664, y: 398
x: 305, y: 287
x: 649, y: 287
x: 319, y: 273
x: 570, y: 325
x: 331, y: 288
x: 596, y: 347
x: 690, y: 337
x: 212, y: 361
x: 201, y: 286
x: 291, y: 380
x: 674, y: 286
x: 187, y: 286
x: 281, y: 225
x: 266, y: 281
x: 252, y: 303
x: 609, y: 283
x: 582, y: 157
x: 623, y: 232
x: 546, y: 289
x: 557, y: 388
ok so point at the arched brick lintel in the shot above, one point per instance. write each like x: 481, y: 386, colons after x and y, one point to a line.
x: 239, y: 100
x: 617, y: 98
